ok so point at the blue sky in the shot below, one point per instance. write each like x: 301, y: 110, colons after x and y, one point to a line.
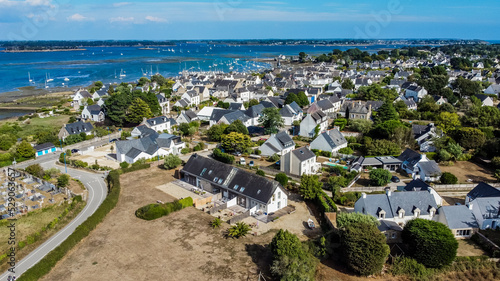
x: 238, y: 19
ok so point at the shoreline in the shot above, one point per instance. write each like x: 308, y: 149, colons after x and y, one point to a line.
x: 41, y: 51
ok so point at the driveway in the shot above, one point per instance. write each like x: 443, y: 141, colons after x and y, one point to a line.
x: 97, y: 192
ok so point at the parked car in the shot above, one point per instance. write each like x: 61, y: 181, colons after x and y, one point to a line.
x: 75, y: 150
x: 113, y: 140
x: 250, y: 164
x: 395, y: 179
x: 242, y: 161
x: 237, y: 154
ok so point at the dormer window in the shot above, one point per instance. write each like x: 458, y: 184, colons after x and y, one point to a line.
x: 401, y: 213
x: 432, y: 211
x: 416, y: 212
x: 381, y: 214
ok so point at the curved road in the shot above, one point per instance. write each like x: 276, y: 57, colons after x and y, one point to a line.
x: 97, y: 192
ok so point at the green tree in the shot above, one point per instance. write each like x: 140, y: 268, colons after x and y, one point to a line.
x: 35, y: 170
x: 448, y: 121
x: 237, y: 126
x: 72, y: 119
x: 235, y: 142
x: 448, y: 178
x: 216, y: 132
x: 345, y: 219
x: 360, y: 125
x: 98, y: 84
x: 172, y: 162
x: 382, y: 147
x: 116, y: 106
x: 292, y: 97
x: 469, y: 138
x: 25, y: 150
x: 184, y: 129
x: 253, y: 102
x: 310, y: 186
x: 466, y: 87
x: 347, y: 84
x: 302, y: 99
x: 380, y: 177
x: 7, y: 141
x: 271, y: 120
x: 376, y: 92
x: 291, y: 260
x: 138, y: 110
x: 364, y: 247
x: 261, y: 173
x: 124, y: 165
x: 386, y: 112
x: 282, y: 178
x: 63, y: 180
x: 430, y: 243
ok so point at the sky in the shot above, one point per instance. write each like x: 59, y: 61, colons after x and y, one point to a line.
x: 239, y: 19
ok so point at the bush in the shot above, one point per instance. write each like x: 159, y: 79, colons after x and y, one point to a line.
x: 275, y: 157
x: 185, y: 150
x: 448, y: 178
x: 411, y: 268
x: 154, y: 211
x: 380, y: 177
x: 216, y: 223
x: 364, y: 247
x: 63, y: 180
x: 260, y: 173
x: 430, y: 243
x: 346, y: 150
x: 124, y: 165
x: 223, y: 157
x: 241, y: 229
x: 172, y: 162
x: 35, y: 170
x: 282, y: 178
x: 345, y: 219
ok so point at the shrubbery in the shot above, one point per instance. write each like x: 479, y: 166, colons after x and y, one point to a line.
x: 223, y: 157
x: 154, y: 211
x: 448, y: 178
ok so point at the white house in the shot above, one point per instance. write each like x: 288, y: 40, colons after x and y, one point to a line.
x: 257, y: 194
x: 300, y: 161
x: 186, y: 117
x: 280, y: 143
x: 311, y: 121
x: 331, y: 141
x: 485, y: 100
x: 93, y: 113
x: 423, y: 135
x: 416, y: 92
x: 290, y: 114
x: 148, y: 146
x: 398, y: 207
x: 80, y: 98
x: 493, y: 89
x: 159, y: 124
x: 193, y: 97
x: 75, y: 129
x: 418, y: 166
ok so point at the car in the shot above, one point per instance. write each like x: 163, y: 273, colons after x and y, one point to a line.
x: 237, y: 154
x: 242, y: 161
x: 113, y: 140
x: 75, y: 150
x: 395, y: 179
x: 250, y: 164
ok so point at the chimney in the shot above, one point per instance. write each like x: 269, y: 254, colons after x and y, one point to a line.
x: 470, y: 206
x: 363, y: 195
x: 388, y: 192
x: 369, y: 107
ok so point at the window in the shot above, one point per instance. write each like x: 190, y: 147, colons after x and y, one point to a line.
x: 242, y: 189
x: 279, y: 204
x: 463, y: 232
x: 216, y: 178
x: 393, y: 235
x: 220, y: 181
x: 203, y: 172
x: 279, y: 194
x: 236, y: 187
x: 274, y: 198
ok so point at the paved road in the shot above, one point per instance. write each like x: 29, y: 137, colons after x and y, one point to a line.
x: 97, y: 192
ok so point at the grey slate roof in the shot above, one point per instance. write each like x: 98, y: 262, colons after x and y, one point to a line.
x: 483, y: 190
x: 256, y: 187
x: 417, y: 185
x: 235, y: 106
x: 411, y: 157
x: 158, y: 120
x: 78, y: 127
x: 94, y: 109
x: 44, y: 146
x: 218, y: 113
x: 391, y: 204
x: 430, y: 168
x: 458, y: 217
x: 295, y: 107
x: 285, y: 139
x: 419, y: 130
x: 489, y: 207
x: 303, y: 154
x: 334, y: 138
x: 236, y: 115
x: 254, y: 111
x: 325, y: 104
x: 287, y: 111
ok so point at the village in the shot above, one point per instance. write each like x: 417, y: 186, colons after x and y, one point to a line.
x: 297, y: 146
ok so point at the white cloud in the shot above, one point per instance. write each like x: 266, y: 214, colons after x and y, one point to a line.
x: 121, y: 4
x: 11, y: 3
x: 155, y: 19
x: 122, y: 19
x: 78, y: 17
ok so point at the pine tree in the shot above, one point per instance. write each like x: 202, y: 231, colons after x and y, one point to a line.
x: 138, y: 110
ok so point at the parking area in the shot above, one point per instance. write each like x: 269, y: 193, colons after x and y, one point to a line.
x: 100, y: 154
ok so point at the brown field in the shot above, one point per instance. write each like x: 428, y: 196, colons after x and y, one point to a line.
x: 465, y: 170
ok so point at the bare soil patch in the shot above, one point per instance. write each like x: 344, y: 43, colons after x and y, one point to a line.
x: 181, y: 246
x: 465, y: 170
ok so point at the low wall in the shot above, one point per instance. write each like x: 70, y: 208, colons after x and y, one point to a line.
x: 217, y: 208
x: 202, y: 201
x: 239, y: 218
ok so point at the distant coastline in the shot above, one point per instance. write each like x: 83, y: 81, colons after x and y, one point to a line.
x: 41, y: 51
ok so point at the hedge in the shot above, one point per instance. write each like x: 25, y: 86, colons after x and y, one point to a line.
x: 49, y: 261
x: 155, y: 211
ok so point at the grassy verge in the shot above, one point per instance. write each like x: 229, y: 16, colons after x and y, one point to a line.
x: 36, y: 227
x: 49, y: 261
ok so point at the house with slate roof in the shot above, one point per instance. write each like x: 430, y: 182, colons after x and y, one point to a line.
x: 493, y: 89
x: 398, y: 207
x: 217, y: 115
x: 93, y: 113
x: 298, y: 162
x: 482, y: 190
x: 419, y: 166
x: 249, y: 190
x: 80, y: 98
x: 355, y: 110
x: 148, y: 146
x: 311, y: 121
x: 460, y: 220
x: 423, y: 135
x: 186, y: 117
x: 75, y: 129
x: 414, y: 91
x: 331, y: 141
x: 420, y: 185
x: 229, y: 118
x: 280, y: 143
x: 485, y: 99
x: 290, y: 115
x: 160, y: 123
x: 487, y: 212
x: 254, y: 113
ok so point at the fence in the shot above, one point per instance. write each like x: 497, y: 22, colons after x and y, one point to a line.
x: 487, y: 243
x: 217, y: 208
x: 437, y: 187
x: 274, y: 172
x: 239, y: 218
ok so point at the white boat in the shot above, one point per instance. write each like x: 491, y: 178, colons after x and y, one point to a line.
x: 66, y: 79
x: 310, y: 223
x: 29, y: 78
x: 122, y: 74
x: 121, y: 54
x: 48, y: 79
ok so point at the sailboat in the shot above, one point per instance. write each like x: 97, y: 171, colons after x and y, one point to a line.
x: 122, y: 74
x: 115, y: 73
x: 29, y: 78
x: 48, y: 79
x: 66, y: 79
